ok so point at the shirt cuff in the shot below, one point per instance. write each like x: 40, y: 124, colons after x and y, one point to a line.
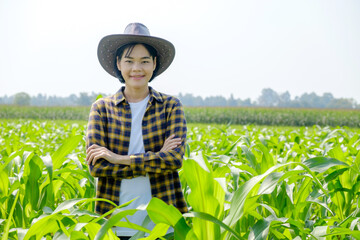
x: 137, y: 164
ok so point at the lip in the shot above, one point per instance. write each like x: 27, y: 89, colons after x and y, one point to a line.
x: 137, y: 77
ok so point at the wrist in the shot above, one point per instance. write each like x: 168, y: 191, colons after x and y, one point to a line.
x: 124, y: 159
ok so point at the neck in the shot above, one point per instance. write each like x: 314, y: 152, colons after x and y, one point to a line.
x: 135, y: 95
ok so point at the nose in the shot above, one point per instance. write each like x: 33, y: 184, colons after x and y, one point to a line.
x: 136, y: 66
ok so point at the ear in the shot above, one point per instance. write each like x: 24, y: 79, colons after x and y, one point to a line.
x: 154, y: 64
x: 118, y: 63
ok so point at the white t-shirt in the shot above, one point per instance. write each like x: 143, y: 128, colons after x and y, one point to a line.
x: 138, y: 186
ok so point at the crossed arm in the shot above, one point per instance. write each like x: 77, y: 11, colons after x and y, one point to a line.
x: 96, y: 152
x: 103, y: 162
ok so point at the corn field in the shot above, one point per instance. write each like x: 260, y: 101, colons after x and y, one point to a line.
x: 209, y: 115
x: 240, y: 182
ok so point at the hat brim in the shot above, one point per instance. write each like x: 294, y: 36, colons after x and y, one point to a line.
x: 110, y: 44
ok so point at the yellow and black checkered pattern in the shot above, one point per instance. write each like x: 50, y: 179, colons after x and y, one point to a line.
x: 110, y: 125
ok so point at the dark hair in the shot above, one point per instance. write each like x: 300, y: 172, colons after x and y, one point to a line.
x: 130, y: 47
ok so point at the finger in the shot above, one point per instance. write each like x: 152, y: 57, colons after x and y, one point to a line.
x: 94, y: 146
x: 95, y: 159
x: 93, y: 153
x: 171, y: 146
x: 174, y: 141
x: 170, y: 137
x: 90, y: 155
x: 97, y: 156
x: 102, y: 153
x: 89, y: 148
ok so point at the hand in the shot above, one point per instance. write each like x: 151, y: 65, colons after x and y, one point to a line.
x: 171, y: 143
x: 96, y: 152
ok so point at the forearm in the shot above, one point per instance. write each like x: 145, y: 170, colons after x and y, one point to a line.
x: 105, y: 163
x: 157, y: 162
x: 119, y: 169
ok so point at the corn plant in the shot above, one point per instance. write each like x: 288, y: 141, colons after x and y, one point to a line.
x: 264, y: 184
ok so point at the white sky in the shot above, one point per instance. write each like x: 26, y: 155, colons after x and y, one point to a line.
x: 222, y: 47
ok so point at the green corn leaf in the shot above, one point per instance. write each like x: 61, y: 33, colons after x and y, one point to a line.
x: 7, y: 160
x: 92, y: 229
x: 67, y: 147
x: 321, y: 164
x: 38, y: 230
x: 343, y: 231
x: 240, y: 196
x: 4, y: 184
x: 231, y: 147
x: 160, y: 212
x: 208, y: 217
x: 203, y: 197
x: 49, y: 165
x: 141, y: 233
x: 201, y: 183
x: 158, y: 231
x: 66, y: 205
x: 315, y: 178
x: 250, y: 157
x: 356, y: 166
x: 324, y: 205
x: 127, y: 224
x: 78, y: 235
x: 337, y: 153
x: 8, y: 221
x: 267, y: 160
x: 238, y: 201
x: 99, y: 96
x: 114, y: 220
x: 333, y: 175
x: 32, y: 172
x: 269, y: 183
x: 262, y: 227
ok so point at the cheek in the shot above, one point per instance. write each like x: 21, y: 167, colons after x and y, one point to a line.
x: 118, y: 66
x: 152, y: 68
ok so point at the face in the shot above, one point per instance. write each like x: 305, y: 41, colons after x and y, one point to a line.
x: 137, y: 68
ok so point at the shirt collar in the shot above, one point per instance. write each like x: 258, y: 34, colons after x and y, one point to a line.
x: 120, y: 97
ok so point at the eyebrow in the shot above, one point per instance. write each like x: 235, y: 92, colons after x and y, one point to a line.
x: 133, y: 58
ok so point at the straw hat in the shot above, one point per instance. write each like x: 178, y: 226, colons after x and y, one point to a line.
x: 134, y: 33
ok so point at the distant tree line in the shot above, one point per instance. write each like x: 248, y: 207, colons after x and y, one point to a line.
x: 268, y: 98
x: 24, y: 99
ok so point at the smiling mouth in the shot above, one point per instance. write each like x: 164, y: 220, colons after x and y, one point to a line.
x: 137, y: 76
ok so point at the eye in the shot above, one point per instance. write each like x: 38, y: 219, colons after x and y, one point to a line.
x: 145, y: 62
x: 128, y: 61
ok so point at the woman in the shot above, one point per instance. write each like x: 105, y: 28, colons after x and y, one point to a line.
x: 136, y: 137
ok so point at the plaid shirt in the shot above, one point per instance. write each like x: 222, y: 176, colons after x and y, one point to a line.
x: 109, y: 126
